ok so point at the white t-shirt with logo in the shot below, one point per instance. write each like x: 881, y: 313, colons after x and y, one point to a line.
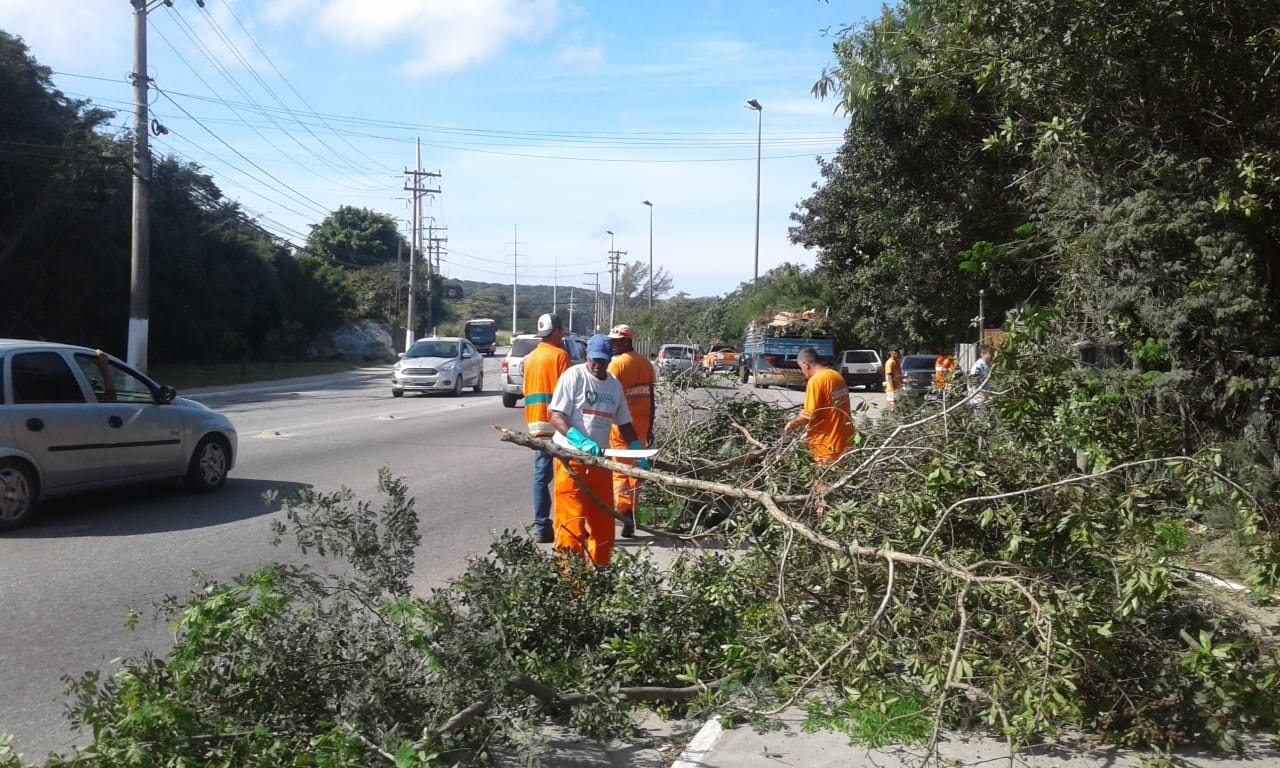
x: 591, y: 405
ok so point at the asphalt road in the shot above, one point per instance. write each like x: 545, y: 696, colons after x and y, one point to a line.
x: 67, y: 581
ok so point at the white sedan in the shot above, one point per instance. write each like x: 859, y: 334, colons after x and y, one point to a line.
x: 75, y: 419
x: 438, y: 364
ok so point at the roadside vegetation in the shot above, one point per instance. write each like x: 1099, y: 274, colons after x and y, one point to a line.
x: 1107, y: 174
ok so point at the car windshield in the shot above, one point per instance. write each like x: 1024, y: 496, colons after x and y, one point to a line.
x: 522, y: 347
x: 434, y: 349
x: 679, y: 352
x: 919, y: 362
x: 860, y: 357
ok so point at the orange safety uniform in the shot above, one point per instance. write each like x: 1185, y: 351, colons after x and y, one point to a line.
x: 542, y: 369
x: 892, y: 373
x: 830, y: 425
x: 942, y: 370
x: 634, y: 371
x: 592, y: 406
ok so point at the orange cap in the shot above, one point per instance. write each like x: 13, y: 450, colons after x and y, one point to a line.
x: 621, y: 332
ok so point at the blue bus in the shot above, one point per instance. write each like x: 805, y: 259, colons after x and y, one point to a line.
x: 483, y: 333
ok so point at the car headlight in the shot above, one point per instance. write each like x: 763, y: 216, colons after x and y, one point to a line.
x: 449, y: 366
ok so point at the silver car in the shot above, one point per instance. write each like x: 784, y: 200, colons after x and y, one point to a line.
x: 76, y: 419
x: 438, y: 364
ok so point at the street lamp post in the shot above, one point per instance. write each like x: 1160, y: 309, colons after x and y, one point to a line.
x: 650, y: 207
x: 755, y: 105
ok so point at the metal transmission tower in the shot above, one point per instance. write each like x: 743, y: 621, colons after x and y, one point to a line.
x: 615, y: 262
x: 515, y: 256
x: 415, y: 249
x: 433, y: 250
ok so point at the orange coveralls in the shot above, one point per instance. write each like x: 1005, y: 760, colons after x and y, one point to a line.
x: 635, y: 373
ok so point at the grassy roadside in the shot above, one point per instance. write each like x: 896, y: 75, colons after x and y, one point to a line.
x: 184, y: 377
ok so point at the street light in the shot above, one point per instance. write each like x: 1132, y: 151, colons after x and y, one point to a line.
x: 650, y: 206
x: 759, y: 110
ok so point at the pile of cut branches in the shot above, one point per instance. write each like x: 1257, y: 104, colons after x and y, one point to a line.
x: 953, y: 569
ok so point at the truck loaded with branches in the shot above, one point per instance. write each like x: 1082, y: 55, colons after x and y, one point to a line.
x: 774, y: 339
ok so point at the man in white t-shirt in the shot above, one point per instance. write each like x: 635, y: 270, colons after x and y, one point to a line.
x: 588, y: 401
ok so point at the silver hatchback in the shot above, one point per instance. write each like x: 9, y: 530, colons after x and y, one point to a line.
x: 75, y: 419
x: 438, y: 364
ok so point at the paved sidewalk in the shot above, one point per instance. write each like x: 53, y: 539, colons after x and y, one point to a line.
x: 744, y: 747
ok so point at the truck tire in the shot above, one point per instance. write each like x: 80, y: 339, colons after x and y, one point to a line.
x: 743, y: 371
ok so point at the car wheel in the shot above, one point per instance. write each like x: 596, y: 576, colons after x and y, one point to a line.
x: 209, y: 464
x: 457, y: 386
x: 479, y: 387
x: 397, y: 393
x: 742, y: 373
x: 18, y: 494
x: 509, y: 401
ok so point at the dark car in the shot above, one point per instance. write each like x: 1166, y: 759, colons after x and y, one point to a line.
x: 918, y: 375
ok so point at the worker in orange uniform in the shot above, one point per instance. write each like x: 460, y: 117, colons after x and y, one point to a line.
x: 542, y: 369
x: 634, y: 371
x: 587, y: 404
x: 826, y: 417
x: 943, y: 368
x: 892, y: 377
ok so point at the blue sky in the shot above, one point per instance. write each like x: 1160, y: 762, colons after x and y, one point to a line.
x: 546, y: 118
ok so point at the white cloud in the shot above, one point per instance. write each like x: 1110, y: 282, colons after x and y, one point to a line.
x: 583, y: 58
x: 440, y: 35
x: 63, y: 34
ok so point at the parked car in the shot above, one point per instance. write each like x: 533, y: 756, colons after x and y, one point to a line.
x: 721, y: 358
x: 513, y: 363
x: 438, y: 364
x: 677, y: 357
x: 862, y: 368
x: 74, y: 419
x: 918, y: 376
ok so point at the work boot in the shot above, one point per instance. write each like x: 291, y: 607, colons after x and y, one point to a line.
x: 545, y: 537
x: 629, y: 527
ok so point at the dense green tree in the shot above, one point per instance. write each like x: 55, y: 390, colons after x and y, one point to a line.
x: 356, y: 237
x: 1113, y: 161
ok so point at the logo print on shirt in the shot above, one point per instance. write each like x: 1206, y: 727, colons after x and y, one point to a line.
x: 592, y: 398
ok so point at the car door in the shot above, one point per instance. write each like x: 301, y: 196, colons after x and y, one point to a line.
x: 144, y: 438
x: 471, y: 364
x: 54, y: 420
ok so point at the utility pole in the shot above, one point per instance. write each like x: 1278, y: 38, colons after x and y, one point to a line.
x: 615, y: 263
x: 595, y: 307
x: 415, y: 249
x: 515, y: 255
x: 570, y: 310
x: 140, y: 262
x: 140, y: 229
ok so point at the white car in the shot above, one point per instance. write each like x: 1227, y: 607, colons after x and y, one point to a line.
x: 513, y: 363
x: 75, y: 419
x: 438, y: 364
x: 862, y: 368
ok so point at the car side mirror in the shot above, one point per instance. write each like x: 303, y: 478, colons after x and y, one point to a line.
x: 167, y: 393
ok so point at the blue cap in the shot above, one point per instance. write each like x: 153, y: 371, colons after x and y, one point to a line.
x: 600, y: 347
